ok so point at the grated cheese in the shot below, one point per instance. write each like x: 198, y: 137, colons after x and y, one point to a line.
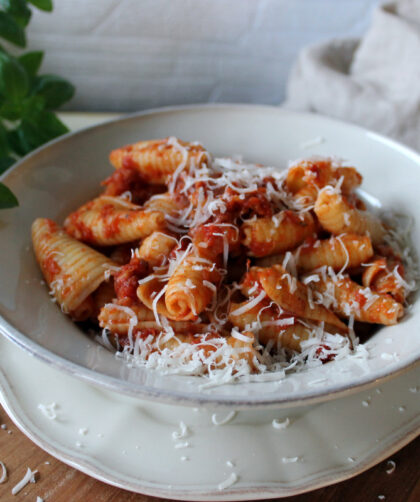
x: 391, y: 466
x: 290, y: 460
x: 3, y: 476
x: 231, y: 480
x: 228, y: 418
x: 280, y: 425
x: 182, y: 433
x: 184, y: 444
x: 29, y: 477
x: 49, y: 410
x: 249, y: 305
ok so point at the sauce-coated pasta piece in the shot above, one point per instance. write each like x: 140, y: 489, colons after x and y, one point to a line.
x: 338, y: 216
x: 155, y: 249
x: 106, y: 222
x: 350, y: 299
x: 293, y: 296
x: 72, y: 270
x: 190, y: 289
x: 284, y: 231
x: 384, y: 276
x: 157, y: 159
x: 339, y: 253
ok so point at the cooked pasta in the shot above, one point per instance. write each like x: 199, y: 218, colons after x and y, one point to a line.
x: 210, y: 266
x: 293, y: 296
x: 156, y: 160
x: 106, y: 222
x: 338, y: 216
x: 350, y: 299
x: 281, y: 232
x: 339, y: 253
x: 307, y: 177
x: 189, y: 289
x: 385, y: 276
x: 156, y: 247
x: 72, y: 270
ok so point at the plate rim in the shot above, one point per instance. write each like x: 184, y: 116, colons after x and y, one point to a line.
x: 92, y: 467
x: 162, y: 395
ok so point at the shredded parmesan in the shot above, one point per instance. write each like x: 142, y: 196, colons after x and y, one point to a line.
x: 391, y: 466
x: 3, y: 476
x: 290, y: 460
x: 228, y: 418
x: 49, y: 410
x: 249, y: 305
x: 231, y: 480
x: 29, y: 477
x: 182, y: 433
x: 184, y: 444
x: 280, y: 425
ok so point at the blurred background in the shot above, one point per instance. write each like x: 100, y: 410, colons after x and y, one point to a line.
x: 127, y: 55
x: 355, y: 60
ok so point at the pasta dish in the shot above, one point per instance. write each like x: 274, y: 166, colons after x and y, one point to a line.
x: 211, y: 266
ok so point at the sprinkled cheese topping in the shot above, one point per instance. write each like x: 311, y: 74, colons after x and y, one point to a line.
x: 290, y: 460
x: 225, y: 420
x: 29, y: 477
x: 49, y: 410
x: 280, y: 425
x: 231, y: 480
x: 391, y: 466
x: 3, y: 476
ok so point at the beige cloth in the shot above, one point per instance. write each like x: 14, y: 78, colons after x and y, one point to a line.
x: 374, y: 82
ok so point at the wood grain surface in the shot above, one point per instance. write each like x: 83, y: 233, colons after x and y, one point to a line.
x: 57, y: 482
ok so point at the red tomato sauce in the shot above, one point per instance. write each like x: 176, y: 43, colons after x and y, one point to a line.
x: 126, y: 280
x: 79, y: 230
x: 51, y: 267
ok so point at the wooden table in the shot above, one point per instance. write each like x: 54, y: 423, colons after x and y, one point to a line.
x: 57, y: 482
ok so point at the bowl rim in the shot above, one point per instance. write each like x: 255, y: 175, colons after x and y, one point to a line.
x: 104, y: 381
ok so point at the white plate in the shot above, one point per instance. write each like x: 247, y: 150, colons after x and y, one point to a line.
x: 57, y: 178
x: 135, y: 448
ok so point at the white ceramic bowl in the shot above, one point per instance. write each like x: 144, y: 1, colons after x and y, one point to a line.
x: 59, y: 177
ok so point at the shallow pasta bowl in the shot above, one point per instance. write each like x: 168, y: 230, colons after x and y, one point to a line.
x: 59, y: 177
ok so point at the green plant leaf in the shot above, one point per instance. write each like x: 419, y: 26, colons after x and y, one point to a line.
x: 55, y: 90
x: 26, y: 108
x: 14, y: 82
x: 5, y: 163
x: 11, y: 30
x: 31, y: 61
x: 35, y: 131
x: 32, y: 106
x: 15, y: 143
x: 10, y: 110
x: 46, y: 5
x: 18, y: 10
x: 4, y: 143
x: 7, y: 198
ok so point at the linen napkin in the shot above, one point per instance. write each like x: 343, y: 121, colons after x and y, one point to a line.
x: 374, y: 82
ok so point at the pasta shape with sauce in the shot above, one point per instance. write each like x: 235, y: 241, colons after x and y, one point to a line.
x: 293, y: 296
x: 211, y: 266
x: 72, y: 270
x: 284, y: 231
x: 351, y: 299
x: 189, y: 290
x: 338, y: 216
x: 156, y: 160
x: 107, y: 222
